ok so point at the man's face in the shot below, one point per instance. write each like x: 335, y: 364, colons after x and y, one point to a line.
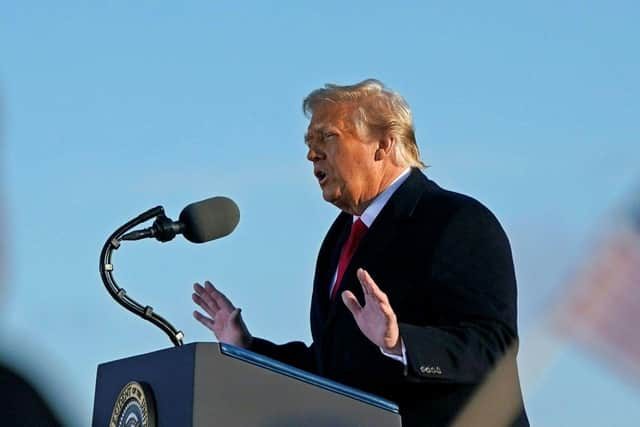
x: 343, y: 163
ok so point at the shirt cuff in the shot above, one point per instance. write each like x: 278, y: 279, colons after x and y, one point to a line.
x: 400, y: 358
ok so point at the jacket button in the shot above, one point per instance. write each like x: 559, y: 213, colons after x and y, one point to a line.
x: 431, y: 370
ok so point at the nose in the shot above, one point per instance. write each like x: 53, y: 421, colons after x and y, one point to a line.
x: 313, y: 154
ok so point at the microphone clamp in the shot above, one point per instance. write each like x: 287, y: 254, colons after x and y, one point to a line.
x: 163, y: 229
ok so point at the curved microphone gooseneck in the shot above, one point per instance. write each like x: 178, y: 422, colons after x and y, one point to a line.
x: 118, y: 293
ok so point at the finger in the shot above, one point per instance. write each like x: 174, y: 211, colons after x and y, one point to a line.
x: 207, y: 322
x: 204, y: 305
x: 366, y: 281
x: 197, y: 288
x: 205, y: 295
x: 370, y: 287
x: 388, y: 312
x: 350, y: 300
x: 362, y: 279
x: 219, y: 298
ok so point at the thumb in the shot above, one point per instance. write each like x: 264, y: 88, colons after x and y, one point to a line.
x: 350, y: 300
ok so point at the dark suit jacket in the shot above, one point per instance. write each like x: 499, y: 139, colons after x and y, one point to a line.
x: 445, y: 263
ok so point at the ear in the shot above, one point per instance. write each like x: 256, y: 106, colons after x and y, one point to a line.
x: 386, y: 145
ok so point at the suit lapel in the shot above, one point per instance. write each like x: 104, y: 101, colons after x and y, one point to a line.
x: 389, y: 223
x: 326, y: 266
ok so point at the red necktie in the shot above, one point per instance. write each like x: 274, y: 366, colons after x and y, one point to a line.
x: 358, y: 229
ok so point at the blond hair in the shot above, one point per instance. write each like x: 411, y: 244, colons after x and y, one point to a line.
x: 375, y: 109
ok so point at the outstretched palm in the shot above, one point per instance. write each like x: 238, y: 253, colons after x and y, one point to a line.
x: 376, y: 318
x: 223, y: 319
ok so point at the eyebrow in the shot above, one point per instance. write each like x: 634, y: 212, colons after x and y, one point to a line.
x: 319, y: 130
x: 309, y: 135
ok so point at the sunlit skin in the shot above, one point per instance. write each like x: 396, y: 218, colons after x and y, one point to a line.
x: 352, y: 170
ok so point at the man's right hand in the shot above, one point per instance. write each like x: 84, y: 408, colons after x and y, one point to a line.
x: 223, y: 319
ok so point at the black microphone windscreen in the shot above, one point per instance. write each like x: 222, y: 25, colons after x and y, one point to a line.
x: 209, y: 219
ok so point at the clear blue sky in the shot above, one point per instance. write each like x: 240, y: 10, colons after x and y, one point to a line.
x: 110, y: 108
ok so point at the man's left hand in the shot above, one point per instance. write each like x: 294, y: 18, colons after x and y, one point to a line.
x: 376, y: 318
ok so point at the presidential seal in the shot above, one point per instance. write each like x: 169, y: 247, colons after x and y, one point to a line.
x: 134, y: 407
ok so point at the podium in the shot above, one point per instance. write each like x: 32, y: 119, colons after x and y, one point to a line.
x: 219, y: 385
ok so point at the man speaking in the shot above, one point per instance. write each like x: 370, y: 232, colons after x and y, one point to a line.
x: 414, y: 294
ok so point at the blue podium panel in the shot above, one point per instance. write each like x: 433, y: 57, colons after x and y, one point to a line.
x: 169, y: 374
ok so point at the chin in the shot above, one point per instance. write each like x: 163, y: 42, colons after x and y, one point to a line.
x: 330, y: 197
x: 338, y: 203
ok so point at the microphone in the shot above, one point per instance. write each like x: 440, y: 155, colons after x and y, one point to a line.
x: 199, y: 222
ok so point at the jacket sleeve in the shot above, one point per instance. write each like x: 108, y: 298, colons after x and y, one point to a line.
x: 295, y: 353
x: 472, y: 291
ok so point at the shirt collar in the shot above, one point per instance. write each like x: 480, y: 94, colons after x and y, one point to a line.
x: 371, y: 213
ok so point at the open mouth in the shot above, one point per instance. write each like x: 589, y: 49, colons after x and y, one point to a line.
x: 321, y: 176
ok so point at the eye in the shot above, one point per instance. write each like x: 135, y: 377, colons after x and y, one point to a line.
x: 329, y: 135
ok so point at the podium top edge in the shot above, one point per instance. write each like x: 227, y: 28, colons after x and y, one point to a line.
x: 299, y: 374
